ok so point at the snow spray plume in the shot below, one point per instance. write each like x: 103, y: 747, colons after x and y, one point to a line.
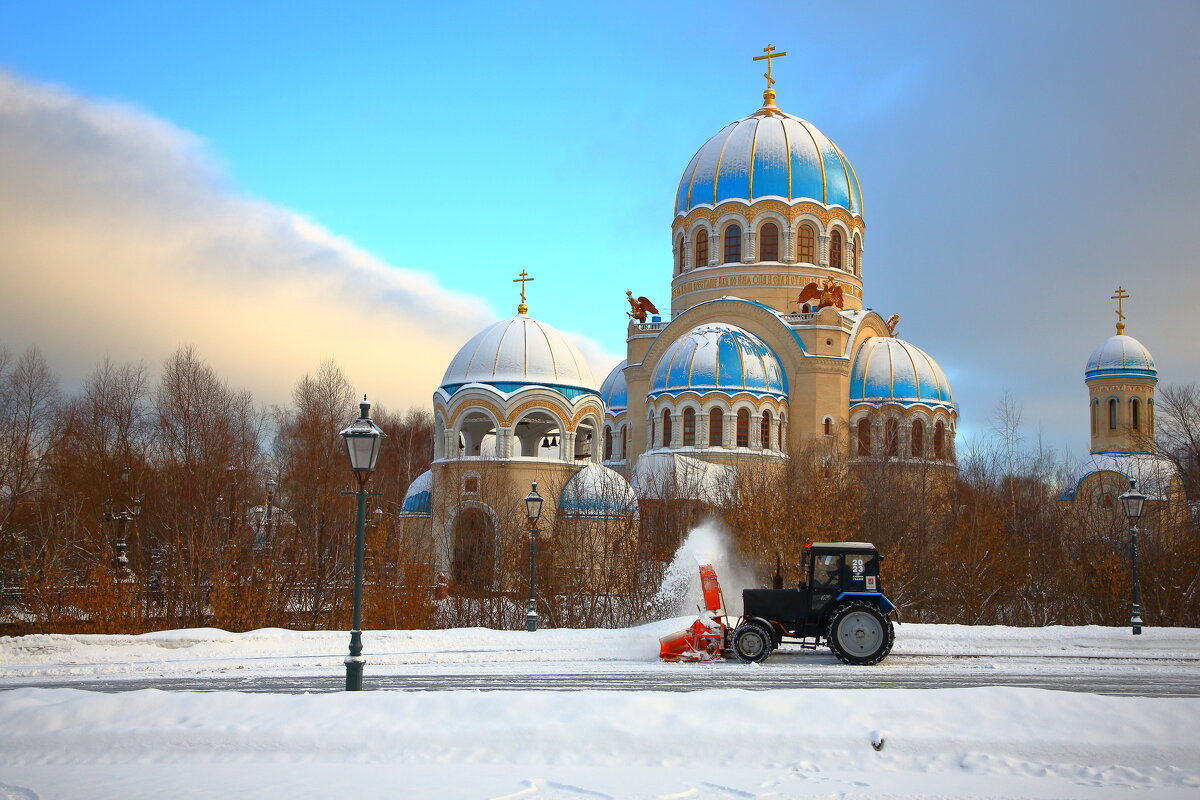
x: 679, y: 593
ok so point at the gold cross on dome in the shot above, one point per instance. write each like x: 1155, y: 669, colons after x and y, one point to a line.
x: 1120, y: 297
x: 770, y: 53
x: 521, y: 309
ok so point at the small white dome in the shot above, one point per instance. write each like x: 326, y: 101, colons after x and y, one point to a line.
x: 518, y: 352
x: 889, y: 370
x: 1121, y: 356
x: 614, y: 391
x: 597, y: 491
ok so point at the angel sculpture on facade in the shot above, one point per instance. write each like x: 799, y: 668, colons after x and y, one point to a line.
x: 641, y: 306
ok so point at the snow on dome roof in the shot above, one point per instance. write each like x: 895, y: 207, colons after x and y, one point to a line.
x: 769, y: 154
x: 597, y: 491
x: 718, y: 357
x: 520, y: 351
x: 890, y: 370
x: 614, y: 392
x: 417, y: 500
x: 1121, y: 356
x: 1152, y: 473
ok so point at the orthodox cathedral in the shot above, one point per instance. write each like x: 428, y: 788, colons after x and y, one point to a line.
x: 767, y: 347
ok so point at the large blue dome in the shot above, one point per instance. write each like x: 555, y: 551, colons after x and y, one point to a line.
x: 769, y: 154
x: 721, y: 358
x: 1121, y: 356
x: 889, y: 370
x: 614, y: 392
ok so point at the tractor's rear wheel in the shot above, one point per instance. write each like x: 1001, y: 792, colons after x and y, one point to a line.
x: 859, y: 633
x: 752, y: 642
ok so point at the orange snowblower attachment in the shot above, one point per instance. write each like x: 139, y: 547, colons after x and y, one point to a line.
x: 704, y: 639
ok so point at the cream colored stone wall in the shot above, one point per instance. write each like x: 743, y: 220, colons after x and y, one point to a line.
x: 1123, y: 436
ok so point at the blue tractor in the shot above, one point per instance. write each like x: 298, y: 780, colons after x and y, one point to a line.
x: 839, y: 602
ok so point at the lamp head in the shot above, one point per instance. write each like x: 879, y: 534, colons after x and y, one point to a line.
x: 533, y: 504
x: 1133, y: 501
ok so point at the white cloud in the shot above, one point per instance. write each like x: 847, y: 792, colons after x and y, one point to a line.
x: 120, y: 236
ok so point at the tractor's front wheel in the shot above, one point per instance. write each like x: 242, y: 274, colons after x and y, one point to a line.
x: 752, y: 642
x: 859, y: 633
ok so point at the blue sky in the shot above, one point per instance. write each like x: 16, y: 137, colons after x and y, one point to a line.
x: 1018, y: 161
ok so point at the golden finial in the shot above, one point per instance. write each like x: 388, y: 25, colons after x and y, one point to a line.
x: 1120, y: 297
x: 769, y: 94
x: 523, y: 309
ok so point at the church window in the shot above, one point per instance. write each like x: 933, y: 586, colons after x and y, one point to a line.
x: 764, y: 431
x: 892, y: 437
x: 680, y: 257
x: 1134, y: 415
x: 918, y: 438
x: 689, y: 427
x: 702, y: 248
x: 828, y: 427
x: 864, y: 437
x: 1095, y: 417
x: 783, y: 433
x: 743, y: 428
x: 624, y: 439
x: 1150, y: 416
x: 733, y: 244
x: 854, y: 257
x: 667, y: 428
x: 1112, y: 414
x: 808, y: 239
x: 607, y: 443
x: 768, y: 242
x: 835, y: 249
x: 651, y: 432
x: 716, y: 427
x: 939, y: 440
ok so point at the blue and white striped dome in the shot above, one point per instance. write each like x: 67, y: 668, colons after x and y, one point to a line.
x: 614, y: 393
x: 889, y: 370
x: 418, y: 499
x: 1121, y: 356
x: 719, y: 358
x: 597, y: 491
x: 769, y: 154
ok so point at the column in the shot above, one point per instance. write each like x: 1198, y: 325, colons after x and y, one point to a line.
x: 729, y: 432
x: 504, y: 442
x: 748, y: 240
x: 676, y: 430
x: 568, y: 446
x: 823, y: 250
x: 789, y: 253
x: 756, y: 442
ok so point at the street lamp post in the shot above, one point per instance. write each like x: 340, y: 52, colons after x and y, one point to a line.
x: 363, y: 438
x: 533, y: 510
x: 1134, y: 502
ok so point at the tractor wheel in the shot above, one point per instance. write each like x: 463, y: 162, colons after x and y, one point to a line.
x: 859, y: 633
x: 752, y: 642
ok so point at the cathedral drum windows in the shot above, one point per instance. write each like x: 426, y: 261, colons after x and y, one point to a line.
x: 764, y: 431
x: 917, y: 439
x: 716, y: 427
x: 807, y: 240
x: 701, y: 249
x: 768, y: 242
x: 731, y: 237
x: 689, y: 427
x: 835, y: 249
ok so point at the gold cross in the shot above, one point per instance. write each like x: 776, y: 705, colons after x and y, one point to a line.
x: 521, y: 309
x: 770, y: 53
x: 1120, y: 297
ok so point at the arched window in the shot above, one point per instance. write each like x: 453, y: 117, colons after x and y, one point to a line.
x: 652, y: 441
x: 783, y: 433
x: 854, y: 257
x: 743, y: 428
x: 764, y: 431
x: 624, y: 441
x: 768, y: 242
x: 701, y: 248
x: 607, y: 443
x: 1150, y: 416
x: 891, y: 432
x: 864, y: 437
x: 667, y: 438
x: 733, y: 244
x: 716, y: 428
x: 680, y: 257
x: 689, y: 427
x: 808, y: 244
x: 1095, y: 417
x: 918, y: 438
x: 1134, y: 416
x: 939, y: 440
x: 835, y: 249
x: 1112, y: 414
x: 828, y: 427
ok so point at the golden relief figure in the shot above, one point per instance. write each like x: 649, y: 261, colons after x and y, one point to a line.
x: 891, y: 323
x: 641, y: 306
x: 827, y: 293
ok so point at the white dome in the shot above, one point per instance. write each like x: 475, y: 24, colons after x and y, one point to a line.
x: 518, y: 352
x: 597, y: 491
x: 1121, y: 356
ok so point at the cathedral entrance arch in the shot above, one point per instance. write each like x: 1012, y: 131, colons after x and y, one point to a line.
x: 473, y: 552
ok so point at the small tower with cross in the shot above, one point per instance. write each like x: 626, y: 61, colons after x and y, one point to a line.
x: 1121, y: 377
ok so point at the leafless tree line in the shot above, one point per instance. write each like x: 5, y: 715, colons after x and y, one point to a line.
x: 141, y: 502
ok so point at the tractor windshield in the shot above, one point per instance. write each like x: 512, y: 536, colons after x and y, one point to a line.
x: 827, y: 571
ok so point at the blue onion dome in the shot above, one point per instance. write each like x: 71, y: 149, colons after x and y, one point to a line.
x: 769, y: 154
x: 614, y: 392
x: 417, y: 500
x: 1121, y: 356
x: 599, y: 492
x: 890, y: 370
x: 719, y: 358
x: 520, y: 351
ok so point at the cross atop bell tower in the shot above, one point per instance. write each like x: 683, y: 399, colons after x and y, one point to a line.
x: 1120, y: 297
x: 769, y: 94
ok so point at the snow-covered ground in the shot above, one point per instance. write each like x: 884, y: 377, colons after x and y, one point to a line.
x: 794, y: 742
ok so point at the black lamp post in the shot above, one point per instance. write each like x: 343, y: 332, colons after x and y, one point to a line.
x: 1134, y: 502
x: 363, y: 438
x: 533, y: 510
